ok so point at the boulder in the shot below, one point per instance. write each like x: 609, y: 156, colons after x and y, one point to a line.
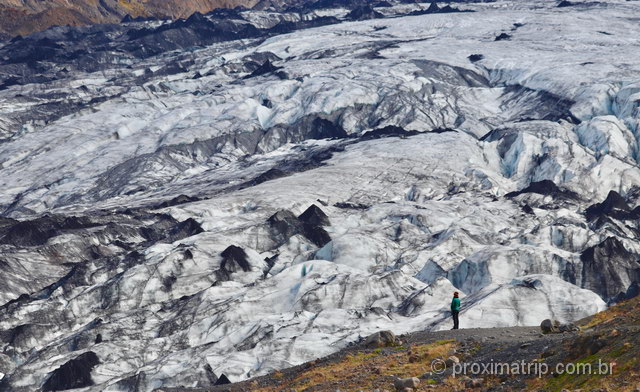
x: 402, y: 384
x: 452, y: 360
x: 569, y: 327
x: 554, y: 326
x: 381, y: 339
x: 549, y: 326
x: 474, y: 383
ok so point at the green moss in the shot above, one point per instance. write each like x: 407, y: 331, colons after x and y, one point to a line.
x: 366, y: 356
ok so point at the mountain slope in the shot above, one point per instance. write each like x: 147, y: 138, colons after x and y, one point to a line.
x: 28, y: 16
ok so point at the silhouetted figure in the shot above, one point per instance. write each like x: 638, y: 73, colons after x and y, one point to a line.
x: 455, y: 309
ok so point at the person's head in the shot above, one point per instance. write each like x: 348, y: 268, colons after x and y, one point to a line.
x: 455, y: 294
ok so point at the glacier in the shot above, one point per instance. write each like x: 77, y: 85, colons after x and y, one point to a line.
x: 248, y: 190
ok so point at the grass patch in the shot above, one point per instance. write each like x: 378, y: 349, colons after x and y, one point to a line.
x: 366, y: 370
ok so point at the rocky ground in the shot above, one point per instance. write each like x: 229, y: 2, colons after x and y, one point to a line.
x: 609, y: 337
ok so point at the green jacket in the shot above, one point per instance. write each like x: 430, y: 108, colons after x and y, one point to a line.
x: 455, y: 304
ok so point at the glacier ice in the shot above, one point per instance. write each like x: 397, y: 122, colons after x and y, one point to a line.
x: 160, y: 216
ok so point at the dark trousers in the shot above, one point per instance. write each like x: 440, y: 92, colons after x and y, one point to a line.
x: 455, y: 313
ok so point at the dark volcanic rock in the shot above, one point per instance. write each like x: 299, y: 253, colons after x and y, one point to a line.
x: 545, y: 187
x: 614, y: 206
x: 29, y: 233
x: 351, y: 206
x: 314, y: 216
x: 316, y: 234
x: 632, y: 292
x: 222, y: 380
x: 565, y: 3
x: 364, y: 12
x: 210, y: 375
x: 285, y: 27
x: 503, y: 36
x: 308, y: 127
x: 269, y: 175
x: 185, y: 229
x: 475, y: 57
x: 388, y: 131
x: 325, y: 129
x: 264, y: 69
x: 38, y: 231
x: 99, y: 47
x: 435, y: 9
x: 234, y: 259
x: 74, y: 374
x: 284, y: 225
x: 182, y: 199
x: 607, y: 267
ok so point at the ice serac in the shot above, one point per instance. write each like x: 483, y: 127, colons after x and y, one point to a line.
x: 191, y: 202
x: 526, y: 300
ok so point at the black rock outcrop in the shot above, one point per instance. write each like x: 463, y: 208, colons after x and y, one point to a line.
x: 222, y: 380
x: 38, y: 231
x: 284, y: 225
x: 614, y: 206
x: 314, y: 216
x: 608, y: 267
x: 545, y: 187
x: 363, y: 13
x: 74, y: 374
x: 234, y: 259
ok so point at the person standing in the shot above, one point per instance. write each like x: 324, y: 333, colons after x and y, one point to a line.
x: 455, y: 309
